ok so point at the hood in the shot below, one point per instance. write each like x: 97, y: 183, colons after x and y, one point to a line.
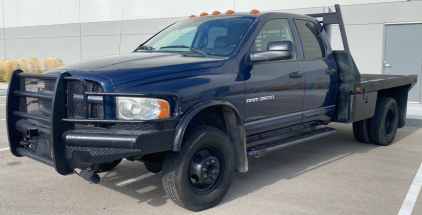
x: 135, y: 66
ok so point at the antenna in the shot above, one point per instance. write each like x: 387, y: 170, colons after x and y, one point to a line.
x: 121, y: 28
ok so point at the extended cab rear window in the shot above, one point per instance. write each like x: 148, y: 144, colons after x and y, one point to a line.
x: 312, y: 44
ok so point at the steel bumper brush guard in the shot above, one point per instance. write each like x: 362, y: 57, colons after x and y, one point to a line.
x: 64, y: 122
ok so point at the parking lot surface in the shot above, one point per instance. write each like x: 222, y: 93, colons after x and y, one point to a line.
x: 332, y: 175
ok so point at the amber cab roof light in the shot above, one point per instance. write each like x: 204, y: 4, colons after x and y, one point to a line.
x: 192, y: 16
x: 215, y: 12
x: 230, y: 12
x: 204, y: 14
x: 254, y: 11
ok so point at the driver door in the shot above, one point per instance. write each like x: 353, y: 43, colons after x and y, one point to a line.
x: 274, y: 97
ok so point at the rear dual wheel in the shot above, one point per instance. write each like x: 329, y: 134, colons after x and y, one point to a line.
x: 381, y: 129
x: 384, y: 123
x: 361, y: 131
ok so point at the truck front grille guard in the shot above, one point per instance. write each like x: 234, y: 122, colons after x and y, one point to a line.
x: 53, y: 116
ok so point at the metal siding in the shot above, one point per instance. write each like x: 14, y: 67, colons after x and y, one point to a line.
x: 147, y: 26
x: 65, y: 48
x: 1, y: 33
x: 131, y: 42
x: 101, y: 28
x: 45, y: 31
x: 97, y: 46
x: 247, y: 5
x: 2, y: 50
x: 19, y: 13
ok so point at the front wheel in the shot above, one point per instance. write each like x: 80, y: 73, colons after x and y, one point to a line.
x: 199, y: 176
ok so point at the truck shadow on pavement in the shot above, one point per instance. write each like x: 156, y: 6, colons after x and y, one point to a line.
x: 285, y: 164
x: 149, y: 190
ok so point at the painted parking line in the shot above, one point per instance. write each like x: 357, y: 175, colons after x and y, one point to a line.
x: 2, y: 119
x: 412, y: 194
x: 132, y: 180
x: 4, y: 149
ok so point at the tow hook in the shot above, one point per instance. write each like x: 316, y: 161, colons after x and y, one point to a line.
x: 90, y: 175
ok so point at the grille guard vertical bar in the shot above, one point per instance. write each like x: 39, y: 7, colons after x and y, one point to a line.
x: 58, y: 127
x: 84, y: 96
x: 12, y: 104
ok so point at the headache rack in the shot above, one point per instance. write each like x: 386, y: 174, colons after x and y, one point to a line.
x: 42, y: 107
x: 356, y: 91
x: 348, y: 72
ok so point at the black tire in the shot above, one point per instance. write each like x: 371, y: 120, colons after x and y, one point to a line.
x: 154, y: 168
x: 105, y: 167
x: 383, y: 126
x: 361, y: 131
x: 180, y: 179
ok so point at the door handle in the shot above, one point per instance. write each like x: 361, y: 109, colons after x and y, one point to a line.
x: 330, y: 71
x: 296, y: 74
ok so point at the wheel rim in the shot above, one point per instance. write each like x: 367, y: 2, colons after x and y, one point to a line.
x: 389, y: 122
x: 206, y: 170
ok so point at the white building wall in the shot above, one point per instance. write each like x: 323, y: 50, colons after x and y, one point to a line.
x: 21, y: 13
x: 81, y: 29
x: 271, y: 5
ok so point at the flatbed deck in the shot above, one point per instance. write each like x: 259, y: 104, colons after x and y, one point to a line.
x: 374, y: 82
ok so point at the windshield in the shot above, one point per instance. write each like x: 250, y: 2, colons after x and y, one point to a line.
x: 205, y: 35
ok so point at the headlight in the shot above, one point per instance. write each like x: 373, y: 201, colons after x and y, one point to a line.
x: 141, y: 108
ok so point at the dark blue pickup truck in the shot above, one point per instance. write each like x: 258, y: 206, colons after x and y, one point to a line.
x: 199, y: 97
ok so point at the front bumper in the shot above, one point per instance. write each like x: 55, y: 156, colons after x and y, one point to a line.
x: 85, y: 146
x: 68, y: 143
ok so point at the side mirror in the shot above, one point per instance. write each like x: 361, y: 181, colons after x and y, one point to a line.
x: 277, y: 50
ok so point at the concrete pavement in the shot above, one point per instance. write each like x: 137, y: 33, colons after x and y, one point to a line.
x: 414, y: 114
x: 332, y: 175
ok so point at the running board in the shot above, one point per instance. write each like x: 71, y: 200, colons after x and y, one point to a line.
x: 262, y: 149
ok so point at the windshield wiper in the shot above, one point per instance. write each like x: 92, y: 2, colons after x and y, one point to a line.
x: 149, y: 48
x: 199, y: 51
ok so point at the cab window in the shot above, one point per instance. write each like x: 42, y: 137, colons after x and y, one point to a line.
x: 273, y: 30
x: 313, y: 47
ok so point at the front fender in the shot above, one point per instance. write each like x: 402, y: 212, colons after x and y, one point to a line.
x: 234, y: 128
x: 184, y: 122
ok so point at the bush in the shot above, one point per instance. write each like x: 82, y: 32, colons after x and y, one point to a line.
x: 27, y: 65
x: 35, y: 65
x: 52, y: 63
x: 23, y: 64
x: 6, y: 68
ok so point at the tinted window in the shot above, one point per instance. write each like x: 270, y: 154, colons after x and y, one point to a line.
x: 214, y: 35
x: 312, y: 44
x: 273, y: 30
